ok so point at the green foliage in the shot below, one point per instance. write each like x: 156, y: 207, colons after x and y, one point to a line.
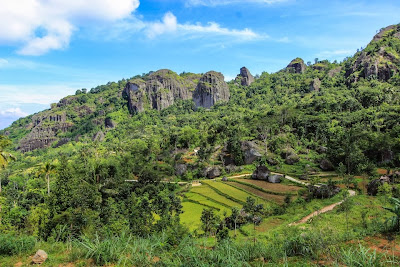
x: 13, y: 245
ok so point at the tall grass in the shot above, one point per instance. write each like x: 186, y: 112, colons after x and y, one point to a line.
x: 12, y: 245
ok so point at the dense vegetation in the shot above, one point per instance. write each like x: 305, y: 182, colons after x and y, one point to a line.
x: 74, y: 194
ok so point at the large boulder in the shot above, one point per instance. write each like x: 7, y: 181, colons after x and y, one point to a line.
x: 296, y: 66
x: 245, y: 77
x: 211, y: 89
x: 211, y: 172
x: 326, y: 165
x: 180, y: 169
x: 250, y: 152
x: 373, y: 186
x: 261, y: 173
x: 292, y: 159
x: 275, y: 179
x: 323, y: 190
x: 109, y: 123
x: 39, y: 257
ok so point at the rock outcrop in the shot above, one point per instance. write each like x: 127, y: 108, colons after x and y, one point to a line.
x: 159, y: 91
x: 373, y: 186
x: 44, y: 131
x: 250, y: 152
x: 211, y: 89
x: 296, y: 66
x: 315, y: 85
x: 379, y: 59
x: 162, y: 88
x: 245, y: 77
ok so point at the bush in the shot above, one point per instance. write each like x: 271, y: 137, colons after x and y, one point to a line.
x: 12, y: 245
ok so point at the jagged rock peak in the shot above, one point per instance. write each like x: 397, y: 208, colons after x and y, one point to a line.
x: 380, y: 59
x: 246, y: 77
x: 211, y: 89
x: 296, y: 66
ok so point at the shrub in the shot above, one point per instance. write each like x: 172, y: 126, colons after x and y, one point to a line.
x: 12, y: 245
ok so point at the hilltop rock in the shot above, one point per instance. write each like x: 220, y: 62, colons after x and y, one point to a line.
x: 315, y: 85
x: 160, y: 91
x: 245, y: 77
x: 379, y: 59
x: 211, y: 89
x: 296, y: 66
x: 334, y: 71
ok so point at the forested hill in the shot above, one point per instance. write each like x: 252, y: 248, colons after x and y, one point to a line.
x: 318, y: 114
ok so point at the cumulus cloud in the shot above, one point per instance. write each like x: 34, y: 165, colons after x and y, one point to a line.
x: 169, y: 24
x: 13, y: 112
x: 213, y: 3
x: 335, y: 53
x: 44, y: 25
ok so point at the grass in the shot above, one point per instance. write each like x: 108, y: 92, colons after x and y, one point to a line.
x: 208, y: 192
x: 268, y: 197
x: 205, y: 201
x: 191, y: 215
x: 277, y: 189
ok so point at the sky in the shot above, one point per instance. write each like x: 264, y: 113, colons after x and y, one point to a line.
x: 51, y: 48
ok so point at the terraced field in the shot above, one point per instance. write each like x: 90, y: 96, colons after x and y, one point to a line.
x: 222, y: 196
x: 281, y: 189
x: 279, y: 199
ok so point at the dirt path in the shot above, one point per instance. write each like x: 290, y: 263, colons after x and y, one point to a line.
x: 318, y: 212
x: 315, y: 213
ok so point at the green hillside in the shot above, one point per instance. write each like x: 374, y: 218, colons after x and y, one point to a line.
x: 97, y: 173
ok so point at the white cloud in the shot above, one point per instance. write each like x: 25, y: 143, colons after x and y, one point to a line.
x: 3, y: 62
x: 13, y: 112
x: 213, y: 3
x: 44, y: 25
x: 169, y: 24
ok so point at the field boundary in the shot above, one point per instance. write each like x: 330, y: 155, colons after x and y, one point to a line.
x: 213, y: 200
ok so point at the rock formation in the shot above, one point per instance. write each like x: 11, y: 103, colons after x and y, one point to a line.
x: 315, y: 85
x: 45, y: 127
x: 296, y: 66
x: 211, y: 89
x: 245, y: 77
x: 379, y: 59
x: 261, y: 173
x: 162, y: 88
x: 250, y: 152
x: 160, y: 91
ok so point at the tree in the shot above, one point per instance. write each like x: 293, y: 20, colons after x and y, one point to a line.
x: 5, y: 157
x: 209, y: 221
x: 47, y: 169
x: 235, y: 216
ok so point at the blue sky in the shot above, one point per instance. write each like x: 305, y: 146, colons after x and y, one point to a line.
x: 51, y: 48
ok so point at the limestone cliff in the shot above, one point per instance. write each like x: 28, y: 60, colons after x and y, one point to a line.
x: 245, y: 77
x: 160, y: 91
x: 211, y: 89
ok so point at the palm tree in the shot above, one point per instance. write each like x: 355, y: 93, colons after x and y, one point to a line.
x: 46, y: 169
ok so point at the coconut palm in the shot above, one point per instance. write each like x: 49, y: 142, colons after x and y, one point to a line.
x: 46, y: 169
